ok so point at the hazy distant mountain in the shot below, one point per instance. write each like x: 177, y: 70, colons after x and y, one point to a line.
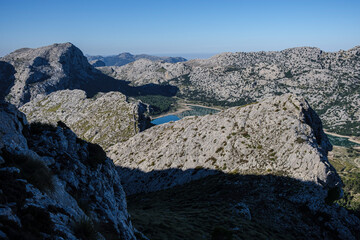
x: 125, y: 58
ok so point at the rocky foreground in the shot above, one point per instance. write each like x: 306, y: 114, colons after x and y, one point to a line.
x: 329, y: 80
x: 54, y: 185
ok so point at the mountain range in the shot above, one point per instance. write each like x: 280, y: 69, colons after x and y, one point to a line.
x: 89, y: 165
x: 125, y: 58
x: 330, y: 81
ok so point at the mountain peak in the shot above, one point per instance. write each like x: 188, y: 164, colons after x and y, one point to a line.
x: 44, y: 70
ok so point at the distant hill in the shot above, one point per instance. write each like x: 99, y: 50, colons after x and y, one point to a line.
x: 330, y: 81
x: 125, y: 58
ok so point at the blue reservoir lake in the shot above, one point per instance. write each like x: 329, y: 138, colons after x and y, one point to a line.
x: 195, y: 111
x: 165, y: 119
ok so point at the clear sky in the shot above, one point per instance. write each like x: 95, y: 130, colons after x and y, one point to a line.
x: 179, y: 27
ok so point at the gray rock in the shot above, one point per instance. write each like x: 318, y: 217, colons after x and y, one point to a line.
x: 243, y: 210
x: 46, y: 69
x: 278, y: 135
x: 72, y: 180
x: 329, y: 80
x: 105, y: 119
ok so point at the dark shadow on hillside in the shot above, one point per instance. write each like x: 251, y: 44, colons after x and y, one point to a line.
x: 7, y: 78
x: 199, y: 202
x: 104, y: 83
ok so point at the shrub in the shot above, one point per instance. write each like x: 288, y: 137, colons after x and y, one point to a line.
x: 84, y: 229
x: 96, y: 155
x: 300, y: 140
x: 161, y: 70
x: 288, y: 74
x: 245, y: 134
x: 158, y: 103
x: 33, y: 170
x: 36, y: 220
x: 219, y: 149
x: 333, y: 195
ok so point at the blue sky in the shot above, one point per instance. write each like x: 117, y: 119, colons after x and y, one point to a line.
x: 179, y: 27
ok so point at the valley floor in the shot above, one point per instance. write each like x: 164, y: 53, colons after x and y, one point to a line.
x: 350, y: 138
x: 227, y: 206
x: 184, y: 107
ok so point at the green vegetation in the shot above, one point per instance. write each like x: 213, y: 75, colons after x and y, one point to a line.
x: 233, y: 69
x: 54, y: 108
x: 159, y: 104
x: 347, y: 163
x: 333, y: 195
x: 288, y: 74
x: 300, y: 140
x: 204, y: 209
x: 343, y: 142
x: 33, y: 170
x: 197, y: 111
x: 203, y: 98
x: 37, y: 221
x: 245, y: 134
x: 161, y: 70
x: 84, y: 229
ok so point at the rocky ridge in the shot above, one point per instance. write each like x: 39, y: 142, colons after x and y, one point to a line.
x: 277, y: 135
x: 56, y: 186
x: 105, y: 119
x: 329, y: 80
x: 277, y: 140
x: 44, y: 70
x: 125, y: 58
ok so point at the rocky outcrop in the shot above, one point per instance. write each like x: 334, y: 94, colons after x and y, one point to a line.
x: 279, y: 135
x: 105, y: 119
x: 56, y: 186
x: 271, y: 154
x: 125, y: 58
x: 46, y: 69
x: 97, y: 63
x: 329, y: 80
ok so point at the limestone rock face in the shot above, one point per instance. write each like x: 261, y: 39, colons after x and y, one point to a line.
x: 329, y: 80
x: 52, y: 183
x: 46, y: 69
x: 106, y: 119
x: 278, y: 135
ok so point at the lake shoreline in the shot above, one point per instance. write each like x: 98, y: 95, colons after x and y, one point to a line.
x: 350, y: 138
x: 183, y: 108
